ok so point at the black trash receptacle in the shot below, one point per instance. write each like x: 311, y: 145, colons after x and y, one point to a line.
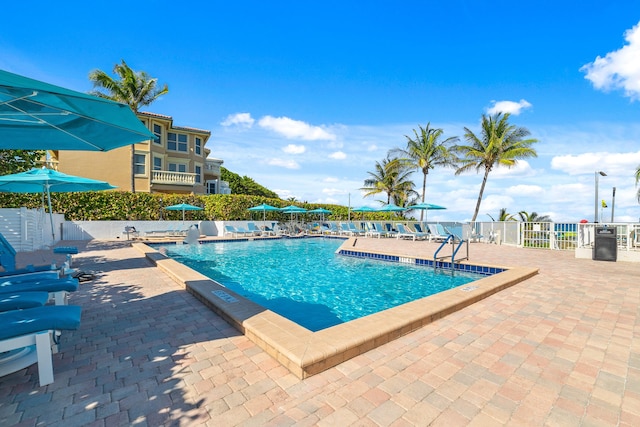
x: 605, y: 247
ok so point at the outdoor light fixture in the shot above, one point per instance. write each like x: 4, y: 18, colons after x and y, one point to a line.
x: 595, y: 215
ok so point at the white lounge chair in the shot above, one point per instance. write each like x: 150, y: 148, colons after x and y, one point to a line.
x: 437, y: 232
x: 404, y: 233
x: 27, y: 337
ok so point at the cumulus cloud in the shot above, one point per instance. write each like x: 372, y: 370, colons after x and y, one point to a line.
x: 338, y: 155
x: 333, y: 191
x: 284, y: 163
x: 524, y: 190
x: 511, y: 107
x: 611, y: 163
x: 521, y: 168
x: 239, y: 119
x: 294, y: 149
x: 372, y: 147
x: 619, y: 69
x: 295, y: 129
x: 330, y: 179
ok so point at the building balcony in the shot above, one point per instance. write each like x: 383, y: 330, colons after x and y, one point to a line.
x: 173, y: 178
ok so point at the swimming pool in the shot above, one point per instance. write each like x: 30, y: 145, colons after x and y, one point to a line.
x: 306, y: 282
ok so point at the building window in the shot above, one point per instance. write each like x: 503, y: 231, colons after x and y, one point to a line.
x: 182, y: 143
x: 198, y: 146
x: 198, y: 173
x: 157, y: 163
x: 177, y: 167
x: 157, y: 131
x: 211, y: 187
x: 177, y: 142
x: 140, y: 161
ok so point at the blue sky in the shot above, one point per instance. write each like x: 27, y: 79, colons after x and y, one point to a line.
x: 305, y: 97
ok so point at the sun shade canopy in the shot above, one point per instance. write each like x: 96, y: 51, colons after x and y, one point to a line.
x: 39, y: 116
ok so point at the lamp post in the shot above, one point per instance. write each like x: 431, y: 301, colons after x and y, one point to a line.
x: 595, y: 215
x: 613, y: 203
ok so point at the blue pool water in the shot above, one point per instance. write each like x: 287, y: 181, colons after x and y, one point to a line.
x: 306, y: 282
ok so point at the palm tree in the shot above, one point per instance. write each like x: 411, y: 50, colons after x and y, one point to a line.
x: 391, y: 176
x: 499, y: 144
x: 638, y: 180
x: 533, y: 217
x: 425, y: 152
x: 503, y: 215
x: 136, y: 89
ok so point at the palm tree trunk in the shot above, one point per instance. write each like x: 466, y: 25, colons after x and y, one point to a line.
x: 133, y: 168
x: 484, y: 182
x: 424, y: 190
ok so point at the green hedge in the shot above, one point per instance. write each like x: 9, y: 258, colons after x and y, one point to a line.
x: 122, y: 205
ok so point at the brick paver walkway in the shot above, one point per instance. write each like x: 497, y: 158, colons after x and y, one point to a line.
x: 562, y: 348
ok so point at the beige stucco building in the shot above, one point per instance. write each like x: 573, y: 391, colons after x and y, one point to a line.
x: 175, y: 162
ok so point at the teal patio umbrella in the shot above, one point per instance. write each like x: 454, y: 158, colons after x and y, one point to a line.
x: 183, y: 207
x: 321, y: 211
x: 264, y: 208
x: 391, y: 208
x: 39, y: 116
x: 363, y: 209
x: 426, y: 207
x: 47, y: 181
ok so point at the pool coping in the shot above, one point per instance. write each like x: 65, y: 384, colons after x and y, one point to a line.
x: 307, y: 353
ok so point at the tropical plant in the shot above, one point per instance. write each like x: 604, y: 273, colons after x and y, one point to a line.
x: 134, y: 88
x: 533, y: 217
x: 426, y: 151
x: 499, y: 144
x: 245, y: 185
x: 503, y: 215
x: 14, y: 161
x: 392, y: 176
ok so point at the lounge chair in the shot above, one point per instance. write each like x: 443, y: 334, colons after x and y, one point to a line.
x: 388, y: 228
x: 437, y: 232
x: 22, y: 300
x: 404, y: 233
x: 353, y: 230
x: 26, y: 337
x: 235, y: 231
x: 372, y: 231
x: 57, y: 289
x: 253, y: 229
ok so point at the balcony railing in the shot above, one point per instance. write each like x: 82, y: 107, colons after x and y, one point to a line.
x: 173, y: 178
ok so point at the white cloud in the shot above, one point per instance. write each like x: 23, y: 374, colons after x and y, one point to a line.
x: 611, y: 163
x: 522, y: 168
x: 330, y: 179
x: 295, y: 129
x: 619, y: 69
x: 524, y: 190
x: 510, y: 107
x: 283, y: 163
x: 338, y: 155
x: 372, y: 147
x: 294, y: 149
x: 333, y: 191
x: 239, y: 119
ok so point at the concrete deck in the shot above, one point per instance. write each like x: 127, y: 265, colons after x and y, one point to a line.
x: 560, y: 348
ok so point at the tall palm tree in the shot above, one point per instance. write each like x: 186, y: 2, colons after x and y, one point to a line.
x: 136, y: 89
x: 533, y: 217
x: 499, y: 144
x: 426, y: 151
x: 638, y: 180
x: 392, y: 177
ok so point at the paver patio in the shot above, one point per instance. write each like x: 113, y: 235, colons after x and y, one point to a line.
x: 561, y: 348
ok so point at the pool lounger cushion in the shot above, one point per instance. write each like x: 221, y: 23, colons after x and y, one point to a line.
x: 65, y: 250
x: 57, y: 288
x: 22, y: 300
x: 26, y: 337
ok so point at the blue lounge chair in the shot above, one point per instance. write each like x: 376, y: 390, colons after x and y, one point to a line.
x: 26, y: 337
x: 372, y: 231
x: 405, y: 233
x: 253, y: 229
x: 56, y: 288
x: 22, y: 300
x: 437, y: 232
x: 355, y: 231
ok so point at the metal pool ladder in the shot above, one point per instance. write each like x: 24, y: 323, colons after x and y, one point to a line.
x: 454, y: 250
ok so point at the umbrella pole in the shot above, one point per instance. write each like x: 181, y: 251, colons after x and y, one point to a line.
x: 53, y: 233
